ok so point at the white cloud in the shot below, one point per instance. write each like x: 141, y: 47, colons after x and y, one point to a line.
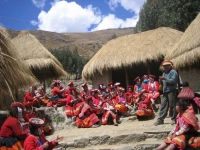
x: 111, y: 21
x: 68, y: 17
x: 34, y: 23
x: 131, y: 5
x: 39, y: 3
x: 55, y: 1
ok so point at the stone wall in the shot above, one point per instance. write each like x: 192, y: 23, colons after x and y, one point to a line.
x: 105, y: 77
x: 191, y: 76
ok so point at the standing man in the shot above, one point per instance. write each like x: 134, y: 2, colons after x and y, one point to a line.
x: 169, y: 81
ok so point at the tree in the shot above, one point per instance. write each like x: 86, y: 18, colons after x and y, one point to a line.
x: 177, y: 14
x: 70, y: 60
x: 114, y: 36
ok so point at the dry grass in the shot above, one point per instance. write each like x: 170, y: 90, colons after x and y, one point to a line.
x: 13, y: 72
x: 132, y: 49
x: 187, y: 51
x: 37, y: 57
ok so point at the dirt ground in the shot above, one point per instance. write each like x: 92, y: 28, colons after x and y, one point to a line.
x: 72, y: 133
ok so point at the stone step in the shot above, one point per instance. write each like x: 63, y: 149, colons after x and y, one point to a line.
x: 133, y: 141
x: 129, y: 139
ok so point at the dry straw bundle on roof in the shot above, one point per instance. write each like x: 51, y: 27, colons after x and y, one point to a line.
x: 13, y: 72
x: 48, y: 68
x: 132, y: 49
x: 187, y: 51
x: 37, y: 57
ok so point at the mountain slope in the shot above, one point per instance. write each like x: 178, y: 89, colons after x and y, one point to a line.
x: 87, y: 43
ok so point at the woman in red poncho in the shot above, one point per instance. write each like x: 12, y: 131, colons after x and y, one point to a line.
x: 11, y: 131
x: 73, y: 102
x: 109, y: 111
x: 30, y: 97
x: 37, y: 140
x: 121, y: 101
x: 85, y: 90
x: 130, y: 96
x: 144, y: 107
x: 87, y: 117
x: 185, y: 131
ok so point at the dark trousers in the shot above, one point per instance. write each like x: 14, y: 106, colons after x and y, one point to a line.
x: 168, y: 100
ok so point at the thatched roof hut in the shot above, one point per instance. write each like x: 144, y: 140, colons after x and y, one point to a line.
x: 186, y: 55
x: 13, y: 72
x: 186, y: 52
x: 41, y: 62
x: 132, y: 50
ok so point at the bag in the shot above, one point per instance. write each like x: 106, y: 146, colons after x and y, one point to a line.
x: 186, y: 93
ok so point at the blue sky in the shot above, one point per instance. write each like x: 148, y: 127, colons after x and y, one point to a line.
x: 69, y: 15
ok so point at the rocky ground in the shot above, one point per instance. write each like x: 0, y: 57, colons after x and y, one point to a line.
x: 130, y: 134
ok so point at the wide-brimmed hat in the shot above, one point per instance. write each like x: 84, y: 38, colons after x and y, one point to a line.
x: 121, y: 89
x: 137, y: 78
x: 17, y: 104
x: 84, y: 85
x: 36, y: 122
x: 144, y: 76
x: 130, y: 86
x: 70, y: 83
x: 117, y: 84
x: 166, y: 62
x: 152, y: 76
x: 110, y: 84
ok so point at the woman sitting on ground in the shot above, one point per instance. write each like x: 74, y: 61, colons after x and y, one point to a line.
x: 30, y: 97
x: 144, y: 108
x: 121, y: 102
x: 130, y: 95
x: 73, y: 102
x: 97, y: 102
x: 185, y: 130
x: 152, y: 88
x: 109, y: 110
x: 11, y: 131
x: 87, y: 118
x: 37, y: 140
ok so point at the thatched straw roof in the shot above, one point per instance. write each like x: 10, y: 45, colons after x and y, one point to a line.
x: 187, y: 51
x: 13, y: 72
x: 47, y: 66
x: 132, y: 49
x: 37, y: 57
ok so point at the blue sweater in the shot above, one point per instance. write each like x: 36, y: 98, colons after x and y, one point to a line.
x: 172, y: 79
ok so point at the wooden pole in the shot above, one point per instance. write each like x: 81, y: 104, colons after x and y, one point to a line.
x: 148, y: 68
x: 44, y: 83
x: 126, y: 77
x: 44, y: 86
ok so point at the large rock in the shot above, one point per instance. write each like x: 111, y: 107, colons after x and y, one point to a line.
x: 58, y: 118
x: 81, y: 142
x: 116, y: 139
x: 133, y: 138
x: 146, y: 146
x: 104, y: 139
x: 95, y: 140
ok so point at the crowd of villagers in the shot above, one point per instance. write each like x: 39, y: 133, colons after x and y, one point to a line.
x: 24, y: 127
x: 94, y: 107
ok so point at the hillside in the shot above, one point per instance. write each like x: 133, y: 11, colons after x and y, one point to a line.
x: 87, y: 43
